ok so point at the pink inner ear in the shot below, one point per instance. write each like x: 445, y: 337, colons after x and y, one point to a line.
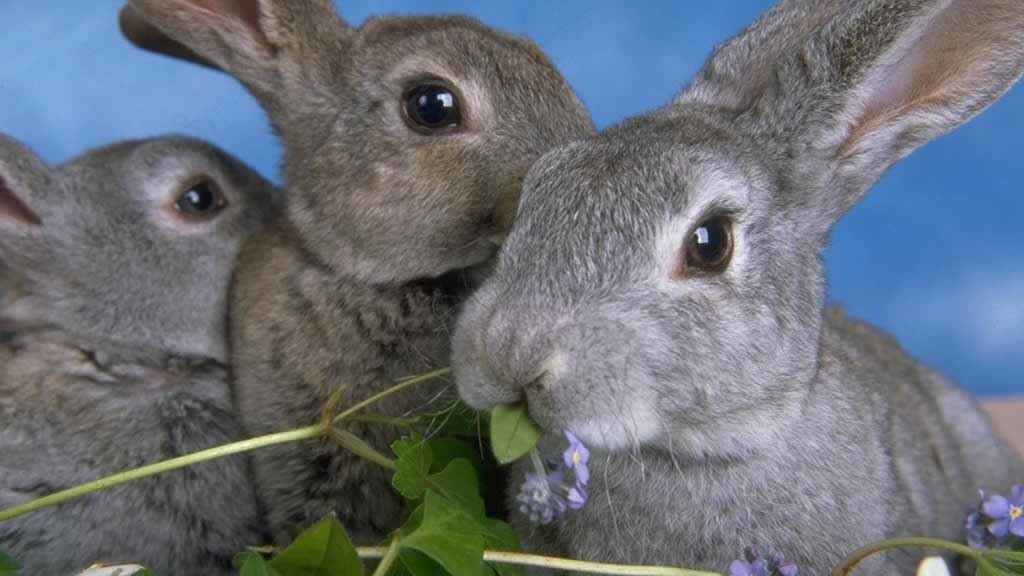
x: 12, y: 207
x: 951, y: 67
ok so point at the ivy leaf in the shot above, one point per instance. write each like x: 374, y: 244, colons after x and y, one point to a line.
x: 322, y: 550
x: 418, y: 564
x: 413, y: 522
x: 499, y: 535
x: 8, y: 567
x: 448, y: 448
x: 251, y: 563
x: 448, y: 535
x: 411, y: 466
x: 458, y: 483
x: 512, y: 433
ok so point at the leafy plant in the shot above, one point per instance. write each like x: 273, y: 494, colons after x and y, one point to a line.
x: 513, y: 434
x: 438, y: 473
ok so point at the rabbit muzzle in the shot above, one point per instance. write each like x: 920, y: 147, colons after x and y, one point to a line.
x: 579, y: 374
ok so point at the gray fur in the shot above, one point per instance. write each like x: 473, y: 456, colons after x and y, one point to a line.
x: 386, y: 226
x: 733, y: 410
x: 112, y: 355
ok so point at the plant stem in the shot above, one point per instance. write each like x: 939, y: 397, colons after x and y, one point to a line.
x: 378, y: 419
x: 858, y: 556
x: 359, y: 447
x: 160, y: 467
x: 501, y: 557
x: 388, y: 559
x: 296, y: 435
x: 398, y: 387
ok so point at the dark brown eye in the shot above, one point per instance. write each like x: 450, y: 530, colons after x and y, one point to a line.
x: 709, y: 247
x: 202, y: 199
x: 431, y: 107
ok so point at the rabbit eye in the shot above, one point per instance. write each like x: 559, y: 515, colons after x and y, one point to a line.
x: 430, y: 108
x: 709, y: 248
x: 201, y: 200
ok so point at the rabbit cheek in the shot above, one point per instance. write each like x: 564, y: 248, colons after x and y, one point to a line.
x: 459, y: 200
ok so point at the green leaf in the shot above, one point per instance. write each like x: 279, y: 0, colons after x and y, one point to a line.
x: 418, y: 564
x: 512, y: 433
x: 411, y: 466
x: 8, y: 567
x: 251, y: 563
x: 448, y: 448
x: 413, y: 522
x: 458, y: 483
x: 499, y: 535
x: 322, y: 550
x: 449, y: 536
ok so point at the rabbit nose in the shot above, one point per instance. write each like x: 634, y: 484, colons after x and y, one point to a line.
x: 551, y: 369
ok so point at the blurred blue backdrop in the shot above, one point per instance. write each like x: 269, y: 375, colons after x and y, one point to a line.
x: 934, y: 255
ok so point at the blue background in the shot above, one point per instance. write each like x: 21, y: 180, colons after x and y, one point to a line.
x: 933, y: 255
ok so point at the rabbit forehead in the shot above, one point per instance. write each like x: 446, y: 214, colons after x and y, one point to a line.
x: 136, y: 184
x: 497, y: 75
x: 625, y: 187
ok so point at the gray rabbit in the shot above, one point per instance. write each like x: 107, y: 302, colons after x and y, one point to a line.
x: 112, y: 353
x: 662, y: 296
x: 406, y: 141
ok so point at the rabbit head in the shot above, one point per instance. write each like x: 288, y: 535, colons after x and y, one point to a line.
x: 131, y: 244
x: 406, y: 138
x: 663, y: 285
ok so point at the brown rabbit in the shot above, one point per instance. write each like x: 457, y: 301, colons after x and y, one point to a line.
x: 406, y: 141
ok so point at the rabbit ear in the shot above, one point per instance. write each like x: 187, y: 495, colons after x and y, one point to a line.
x: 743, y: 68
x: 906, y: 73
x: 863, y: 83
x: 20, y: 170
x: 148, y: 37
x: 260, y: 42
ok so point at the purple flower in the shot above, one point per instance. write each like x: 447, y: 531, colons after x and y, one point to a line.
x: 976, y: 531
x: 576, y: 497
x: 541, y: 497
x: 743, y: 568
x: 756, y: 565
x: 576, y: 457
x: 545, y: 496
x: 1007, y: 514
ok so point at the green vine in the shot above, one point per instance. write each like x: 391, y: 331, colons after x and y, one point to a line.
x: 989, y: 562
x: 447, y: 505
